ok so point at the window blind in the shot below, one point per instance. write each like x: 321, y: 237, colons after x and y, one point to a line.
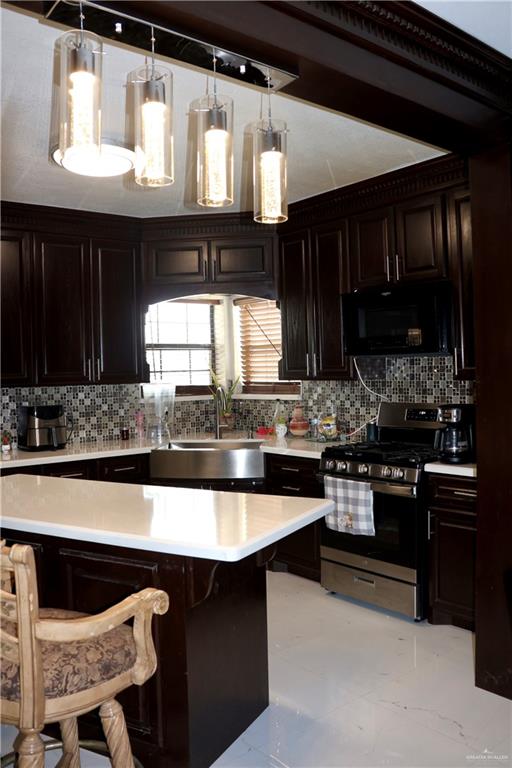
x: 260, y: 347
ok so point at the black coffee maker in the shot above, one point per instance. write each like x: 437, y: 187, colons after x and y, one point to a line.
x: 457, y: 440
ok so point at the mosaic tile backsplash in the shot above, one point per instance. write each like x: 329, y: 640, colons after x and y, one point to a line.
x: 100, y: 411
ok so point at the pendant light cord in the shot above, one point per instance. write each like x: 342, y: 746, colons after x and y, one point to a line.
x: 215, y: 104
x: 269, y: 101
x: 152, y: 52
x: 82, y: 18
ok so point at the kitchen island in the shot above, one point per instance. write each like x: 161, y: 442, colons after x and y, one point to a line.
x: 96, y: 542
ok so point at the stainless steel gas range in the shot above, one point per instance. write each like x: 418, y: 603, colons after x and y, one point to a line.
x: 388, y: 569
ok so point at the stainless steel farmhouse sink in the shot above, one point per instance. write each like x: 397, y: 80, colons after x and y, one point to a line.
x: 208, y: 460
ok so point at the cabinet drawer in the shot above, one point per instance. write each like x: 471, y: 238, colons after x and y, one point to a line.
x: 124, y: 469
x: 282, y: 469
x: 453, y: 491
x: 379, y: 590
x: 79, y: 470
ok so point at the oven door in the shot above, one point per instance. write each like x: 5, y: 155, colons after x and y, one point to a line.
x: 396, y: 511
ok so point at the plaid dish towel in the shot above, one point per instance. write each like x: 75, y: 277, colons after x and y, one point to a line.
x: 353, y: 511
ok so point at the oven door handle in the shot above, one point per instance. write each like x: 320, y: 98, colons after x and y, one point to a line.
x: 392, y: 489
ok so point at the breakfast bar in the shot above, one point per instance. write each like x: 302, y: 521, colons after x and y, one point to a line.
x: 97, y: 542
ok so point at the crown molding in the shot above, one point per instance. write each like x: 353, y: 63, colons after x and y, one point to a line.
x: 419, y: 38
x: 430, y: 176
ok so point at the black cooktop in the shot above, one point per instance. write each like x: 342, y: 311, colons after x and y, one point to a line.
x: 392, y: 453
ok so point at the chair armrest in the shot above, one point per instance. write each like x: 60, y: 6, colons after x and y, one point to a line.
x: 144, y: 603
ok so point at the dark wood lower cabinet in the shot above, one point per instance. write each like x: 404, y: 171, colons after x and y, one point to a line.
x: 452, y: 526
x: 212, y: 675
x: 290, y: 476
x: 116, y: 469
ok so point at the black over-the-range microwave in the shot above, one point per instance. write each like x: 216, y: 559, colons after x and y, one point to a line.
x: 399, y: 320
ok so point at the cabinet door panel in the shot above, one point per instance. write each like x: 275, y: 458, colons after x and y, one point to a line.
x: 62, y: 288
x: 176, y: 261
x: 452, y: 567
x: 242, y: 261
x: 421, y: 252
x: 117, y: 313
x: 371, y: 248
x: 330, y: 280
x: 460, y: 251
x: 92, y: 583
x: 293, y: 293
x: 16, y: 352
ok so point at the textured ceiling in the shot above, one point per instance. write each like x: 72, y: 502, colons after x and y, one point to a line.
x: 325, y: 149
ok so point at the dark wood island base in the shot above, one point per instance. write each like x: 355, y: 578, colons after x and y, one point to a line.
x: 212, y: 675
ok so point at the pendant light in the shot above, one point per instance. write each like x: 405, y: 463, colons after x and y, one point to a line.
x: 214, y: 147
x: 269, y: 168
x: 80, y: 99
x: 154, y: 156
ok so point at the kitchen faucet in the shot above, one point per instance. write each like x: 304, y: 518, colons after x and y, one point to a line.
x: 218, y: 398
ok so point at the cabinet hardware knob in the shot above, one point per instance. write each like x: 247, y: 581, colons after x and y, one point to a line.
x: 307, y: 363
x: 89, y: 369
x: 98, y: 367
x: 456, y: 361
x: 290, y: 469
x: 397, y: 266
x: 124, y: 469
x: 387, y: 268
x: 471, y: 494
x: 291, y: 488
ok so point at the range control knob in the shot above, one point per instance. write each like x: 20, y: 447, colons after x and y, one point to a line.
x: 387, y: 471
x: 363, y: 469
x: 399, y: 473
x: 330, y: 464
x: 341, y: 466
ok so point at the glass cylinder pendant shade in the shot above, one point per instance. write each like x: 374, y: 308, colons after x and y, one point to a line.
x: 152, y: 99
x: 214, y: 150
x: 80, y: 100
x: 269, y: 172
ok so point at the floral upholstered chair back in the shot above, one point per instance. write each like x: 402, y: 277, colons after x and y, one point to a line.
x: 22, y: 691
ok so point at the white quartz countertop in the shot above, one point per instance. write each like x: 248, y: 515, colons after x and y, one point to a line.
x: 76, y: 452
x: 181, y: 521
x: 458, y: 470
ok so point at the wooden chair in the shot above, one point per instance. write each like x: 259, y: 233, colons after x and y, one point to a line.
x: 59, y: 664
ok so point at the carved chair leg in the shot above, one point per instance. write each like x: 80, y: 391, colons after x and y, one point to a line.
x: 70, y: 749
x: 29, y: 747
x: 114, y: 726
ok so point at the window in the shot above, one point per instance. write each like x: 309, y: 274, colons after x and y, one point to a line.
x: 260, y: 347
x: 180, y: 344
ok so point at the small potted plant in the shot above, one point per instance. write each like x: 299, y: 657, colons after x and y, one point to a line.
x: 224, y: 395
x: 6, y: 441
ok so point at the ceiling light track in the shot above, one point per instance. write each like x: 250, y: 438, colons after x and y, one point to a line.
x: 173, y: 44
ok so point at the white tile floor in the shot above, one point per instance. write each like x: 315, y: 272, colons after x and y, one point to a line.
x: 351, y: 686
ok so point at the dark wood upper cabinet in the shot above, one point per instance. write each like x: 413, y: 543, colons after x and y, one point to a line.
x: 460, y: 252
x: 16, y: 353
x: 313, y: 274
x: 62, y: 309
x: 248, y: 260
x: 398, y: 244
x: 294, y: 279
x: 372, y: 245
x: 116, y: 312
x: 179, y: 267
x: 177, y: 261
x: 420, y: 243
x: 329, y: 282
